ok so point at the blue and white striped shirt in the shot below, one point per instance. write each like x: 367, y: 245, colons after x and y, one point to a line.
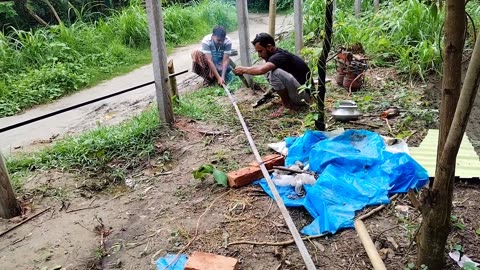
x: 217, y: 52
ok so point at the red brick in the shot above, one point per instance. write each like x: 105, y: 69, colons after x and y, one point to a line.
x: 207, y: 261
x: 244, y: 176
x: 270, y: 161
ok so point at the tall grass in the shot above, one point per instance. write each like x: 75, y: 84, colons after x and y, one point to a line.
x: 41, y: 65
x: 406, y: 34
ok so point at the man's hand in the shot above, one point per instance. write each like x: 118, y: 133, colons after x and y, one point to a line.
x: 220, y: 81
x: 240, y: 70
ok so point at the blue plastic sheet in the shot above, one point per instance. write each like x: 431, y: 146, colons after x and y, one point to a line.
x: 163, y: 262
x: 355, y: 170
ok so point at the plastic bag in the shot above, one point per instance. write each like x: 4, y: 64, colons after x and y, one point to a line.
x: 356, y: 170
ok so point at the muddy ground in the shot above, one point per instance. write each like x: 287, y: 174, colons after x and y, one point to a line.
x: 165, y: 210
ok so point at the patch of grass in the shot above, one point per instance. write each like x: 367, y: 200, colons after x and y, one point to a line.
x: 41, y: 65
x: 103, y: 150
x: 204, y: 105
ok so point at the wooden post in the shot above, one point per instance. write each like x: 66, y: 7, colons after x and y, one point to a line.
x: 8, y: 203
x: 159, y: 59
x: 271, y: 17
x: 376, y: 5
x: 242, y: 15
x: 298, y: 23
x: 173, y: 80
x: 358, y: 8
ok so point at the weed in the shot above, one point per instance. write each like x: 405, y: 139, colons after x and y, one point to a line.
x: 458, y: 223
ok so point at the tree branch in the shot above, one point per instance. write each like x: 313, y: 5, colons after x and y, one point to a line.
x: 35, y: 16
x: 53, y: 11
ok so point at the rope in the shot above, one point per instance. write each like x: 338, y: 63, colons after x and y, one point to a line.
x: 291, y: 226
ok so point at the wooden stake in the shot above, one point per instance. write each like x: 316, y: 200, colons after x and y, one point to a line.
x: 271, y: 17
x: 242, y: 15
x: 8, y: 202
x: 376, y: 5
x: 369, y: 246
x: 159, y: 59
x: 298, y: 23
x: 358, y: 8
x: 173, y: 80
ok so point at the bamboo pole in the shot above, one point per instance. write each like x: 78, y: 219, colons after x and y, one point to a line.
x: 369, y: 246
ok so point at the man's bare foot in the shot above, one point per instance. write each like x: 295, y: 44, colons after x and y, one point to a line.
x: 279, y: 112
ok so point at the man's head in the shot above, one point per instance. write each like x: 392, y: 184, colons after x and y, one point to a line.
x: 218, y: 35
x: 264, y: 45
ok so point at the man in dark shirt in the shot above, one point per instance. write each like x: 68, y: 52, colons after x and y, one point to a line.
x: 286, y: 72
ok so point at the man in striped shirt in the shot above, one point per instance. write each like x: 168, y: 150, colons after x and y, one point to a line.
x: 212, y: 62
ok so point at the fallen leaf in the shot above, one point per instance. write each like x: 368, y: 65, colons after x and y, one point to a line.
x: 319, y: 246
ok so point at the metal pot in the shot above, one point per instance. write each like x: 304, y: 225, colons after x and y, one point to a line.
x: 346, y: 111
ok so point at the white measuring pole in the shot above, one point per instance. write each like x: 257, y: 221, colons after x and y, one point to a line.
x: 291, y: 226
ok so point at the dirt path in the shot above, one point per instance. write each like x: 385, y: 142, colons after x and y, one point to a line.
x: 113, y: 110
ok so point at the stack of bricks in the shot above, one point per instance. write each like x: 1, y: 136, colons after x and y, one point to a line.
x: 251, y: 173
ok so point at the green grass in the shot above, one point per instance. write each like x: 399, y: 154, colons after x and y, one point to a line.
x: 41, y: 65
x: 110, y: 150
x: 102, y: 150
x: 203, y: 105
x: 404, y: 34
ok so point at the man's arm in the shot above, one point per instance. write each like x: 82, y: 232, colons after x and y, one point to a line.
x: 212, y: 67
x: 255, y: 70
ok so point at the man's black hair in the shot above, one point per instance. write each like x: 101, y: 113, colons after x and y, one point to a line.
x: 219, y: 31
x: 264, y: 40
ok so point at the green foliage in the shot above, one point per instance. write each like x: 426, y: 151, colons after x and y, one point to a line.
x: 401, y: 33
x: 263, y: 5
x: 457, y: 222
x: 40, y: 65
x: 96, y: 151
x: 202, y: 172
x: 203, y: 105
x: 208, y: 169
x: 469, y: 266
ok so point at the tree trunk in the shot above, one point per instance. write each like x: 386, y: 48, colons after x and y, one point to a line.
x: 452, y: 68
x: 322, y: 66
x: 436, y: 222
x: 437, y: 203
x: 8, y: 203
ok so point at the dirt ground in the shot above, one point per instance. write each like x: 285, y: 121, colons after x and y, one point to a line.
x: 165, y: 210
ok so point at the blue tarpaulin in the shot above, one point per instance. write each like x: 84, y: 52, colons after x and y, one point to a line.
x: 355, y: 170
x: 179, y: 264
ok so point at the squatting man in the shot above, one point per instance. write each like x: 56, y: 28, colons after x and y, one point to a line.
x: 285, y: 73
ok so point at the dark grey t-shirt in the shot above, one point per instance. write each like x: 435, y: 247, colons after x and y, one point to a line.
x: 291, y: 64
